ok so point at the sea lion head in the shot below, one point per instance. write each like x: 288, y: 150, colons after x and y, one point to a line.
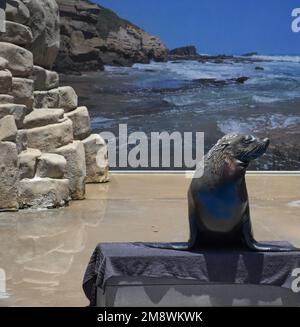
x: 245, y: 148
x: 233, y: 153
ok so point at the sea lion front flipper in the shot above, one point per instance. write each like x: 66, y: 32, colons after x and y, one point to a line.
x: 194, y: 231
x: 253, y: 245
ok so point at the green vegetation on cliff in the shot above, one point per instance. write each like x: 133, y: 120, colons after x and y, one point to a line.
x: 109, y: 21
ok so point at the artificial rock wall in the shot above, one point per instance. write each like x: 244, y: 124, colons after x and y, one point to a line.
x: 47, y: 151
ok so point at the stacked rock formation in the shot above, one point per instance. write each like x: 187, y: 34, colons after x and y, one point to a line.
x: 46, y: 147
x: 2, y: 17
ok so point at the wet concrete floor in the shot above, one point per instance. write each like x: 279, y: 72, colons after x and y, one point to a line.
x: 44, y: 253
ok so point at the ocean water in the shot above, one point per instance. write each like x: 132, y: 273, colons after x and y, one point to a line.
x: 180, y: 96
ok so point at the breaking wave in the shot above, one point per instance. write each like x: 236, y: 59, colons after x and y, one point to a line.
x: 278, y: 58
x: 258, y: 123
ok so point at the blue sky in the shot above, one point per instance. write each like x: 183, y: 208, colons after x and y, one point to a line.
x: 216, y: 26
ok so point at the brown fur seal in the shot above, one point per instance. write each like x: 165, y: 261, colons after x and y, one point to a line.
x: 219, y: 214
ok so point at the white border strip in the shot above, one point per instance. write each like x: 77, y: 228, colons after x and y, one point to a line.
x: 185, y: 172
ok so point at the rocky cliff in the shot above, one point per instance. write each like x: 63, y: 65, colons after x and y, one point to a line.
x: 47, y: 151
x: 92, y: 36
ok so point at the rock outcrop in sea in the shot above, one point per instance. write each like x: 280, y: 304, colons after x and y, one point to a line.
x: 92, y: 36
x: 186, y: 51
x: 47, y: 151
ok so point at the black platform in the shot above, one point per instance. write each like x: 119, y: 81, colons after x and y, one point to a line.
x: 210, y: 267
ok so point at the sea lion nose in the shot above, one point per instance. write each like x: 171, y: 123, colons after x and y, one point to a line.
x: 267, y: 141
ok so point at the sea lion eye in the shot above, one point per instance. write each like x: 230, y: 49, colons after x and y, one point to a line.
x: 248, y: 139
x: 225, y: 144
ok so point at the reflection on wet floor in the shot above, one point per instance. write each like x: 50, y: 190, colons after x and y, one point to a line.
x: 38, y: 250
x: 44, y: 253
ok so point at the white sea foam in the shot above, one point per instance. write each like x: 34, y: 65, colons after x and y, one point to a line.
x: 239, y: 126
x: 99, y: 120
x: 253, y: 124
x: 180, y: 101
x: 265, y: 99
x: 191, y: 70
x: 282, y: 121
x: 278, y: 58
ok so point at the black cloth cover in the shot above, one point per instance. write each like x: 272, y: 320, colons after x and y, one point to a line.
x: 206, y: 266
